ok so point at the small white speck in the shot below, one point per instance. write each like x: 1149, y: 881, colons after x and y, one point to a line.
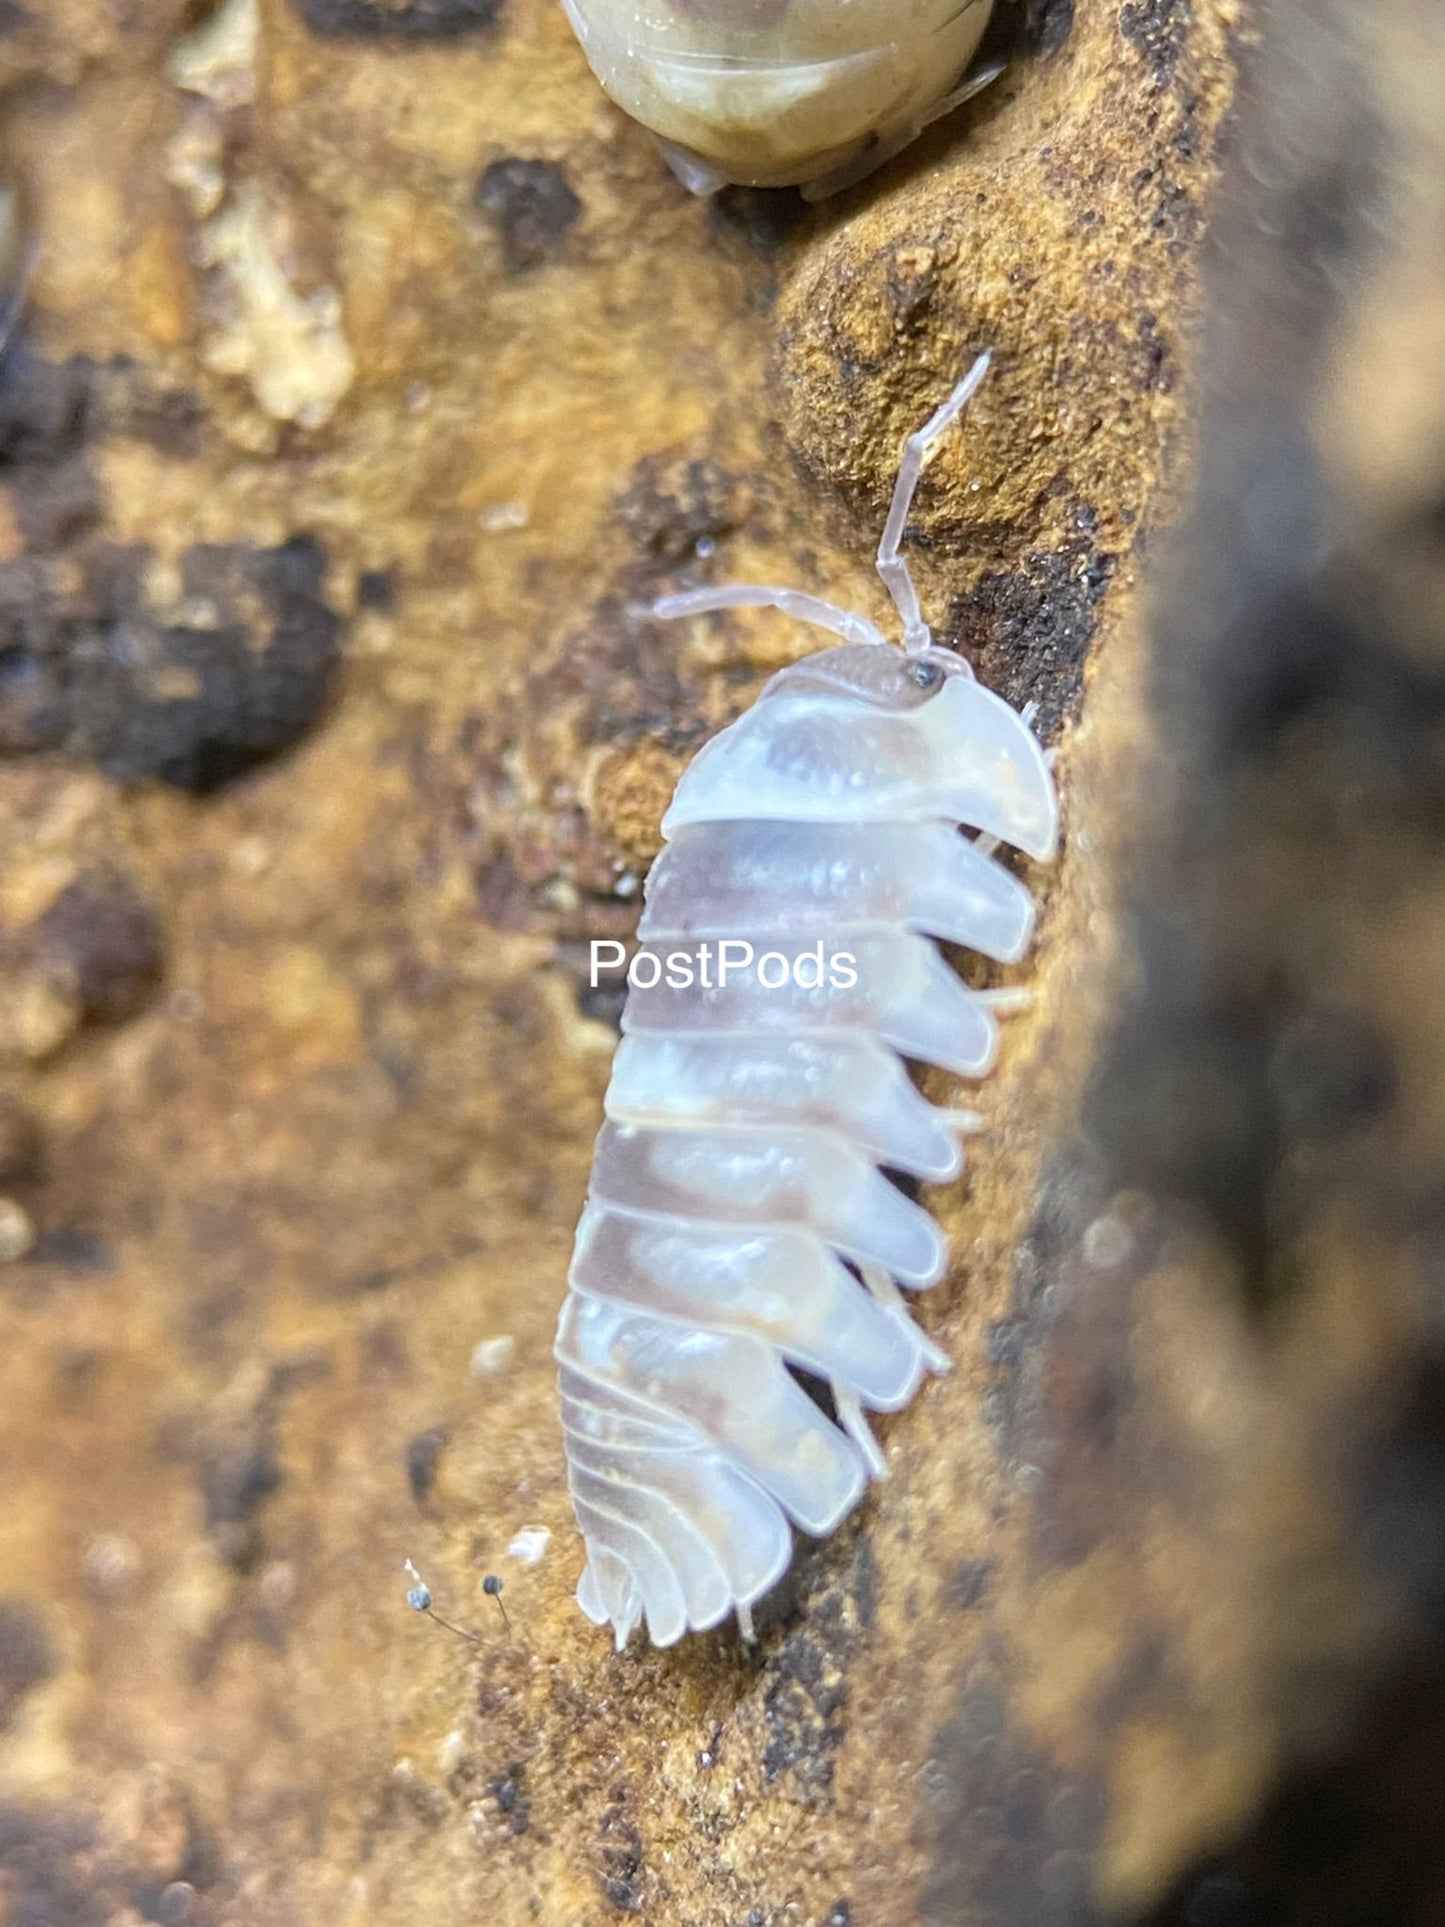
x: 1107, y: 1243
x: 502, y: 517
x: 452, y: 1751
x: 277, y: 1584
x: 493, y: 1355
x: 250, y: 855
x: 17, y: 1233
x: 111, y: 1560
x: 560, y: 894
x: 625, y: 886
x: 529, y: 1545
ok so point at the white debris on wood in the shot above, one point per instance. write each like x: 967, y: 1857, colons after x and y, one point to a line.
x: 17, y: 1233
x: 289, y: 346
x: 218, y: 58
x: 529, y: 1545
x: 493, y: 1355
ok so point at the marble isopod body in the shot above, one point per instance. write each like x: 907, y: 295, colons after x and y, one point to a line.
x: 777, y: 93
x: 738, y: 1222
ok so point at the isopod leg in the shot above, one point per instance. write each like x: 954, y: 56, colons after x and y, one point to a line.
x: 698, y: 176
x: 891, y: 566
x: 1008, y: 1000
x: 1026, y: 716
x: 883, y: 1288
x: 789, y: 602
x: 850, y: 1414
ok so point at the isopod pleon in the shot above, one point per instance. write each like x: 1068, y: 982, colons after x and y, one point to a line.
x: 739, y: 1223
x: 776, y: 93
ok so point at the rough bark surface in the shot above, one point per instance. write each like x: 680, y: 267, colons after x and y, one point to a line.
x: 374, y: 374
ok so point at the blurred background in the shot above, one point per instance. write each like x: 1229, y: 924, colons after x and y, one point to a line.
x: 364, y: 371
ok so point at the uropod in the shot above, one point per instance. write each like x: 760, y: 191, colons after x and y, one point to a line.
x: 738, y: 1224
x: 776, y: 93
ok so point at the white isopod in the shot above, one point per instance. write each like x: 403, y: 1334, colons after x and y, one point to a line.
x: 774, y: 93
x: 738, y: 1222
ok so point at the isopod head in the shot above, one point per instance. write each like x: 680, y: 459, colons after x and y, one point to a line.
x: 882, y: 678
x: 773, y: 93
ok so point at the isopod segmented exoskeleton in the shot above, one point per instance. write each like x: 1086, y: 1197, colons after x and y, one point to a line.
x: 773, y: 93
x: 738, y: 1222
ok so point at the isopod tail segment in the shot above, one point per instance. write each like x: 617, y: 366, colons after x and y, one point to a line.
x: 892, y: 564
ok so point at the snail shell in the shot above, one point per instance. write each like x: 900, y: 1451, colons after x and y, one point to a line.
x: 776, y: 93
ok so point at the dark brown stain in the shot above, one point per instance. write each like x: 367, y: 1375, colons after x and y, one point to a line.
x: 532, y: 206
x: 621, y: 1872
x: 20, y: 1142
x: 423, y: 1455
x: 512, y: 1801
x: 86, y: 667
x: 95, y: 673
x: 27, y: 1657
x: 805, y: 1690
x: 103, y: 939
x: 1048, y: 24
x: 399, y: 19
x: 1159, y: 30
x: 1028, y: 629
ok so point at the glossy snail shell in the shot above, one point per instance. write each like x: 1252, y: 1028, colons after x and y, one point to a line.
x: 776, y: 93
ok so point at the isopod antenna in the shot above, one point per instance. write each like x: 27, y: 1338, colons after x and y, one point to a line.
x: 917, y: 636
x: 796, y: 603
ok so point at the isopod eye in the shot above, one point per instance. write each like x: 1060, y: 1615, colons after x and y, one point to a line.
x: 925, y: 675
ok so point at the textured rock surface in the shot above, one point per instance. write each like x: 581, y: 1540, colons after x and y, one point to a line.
x: 375, y: 372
